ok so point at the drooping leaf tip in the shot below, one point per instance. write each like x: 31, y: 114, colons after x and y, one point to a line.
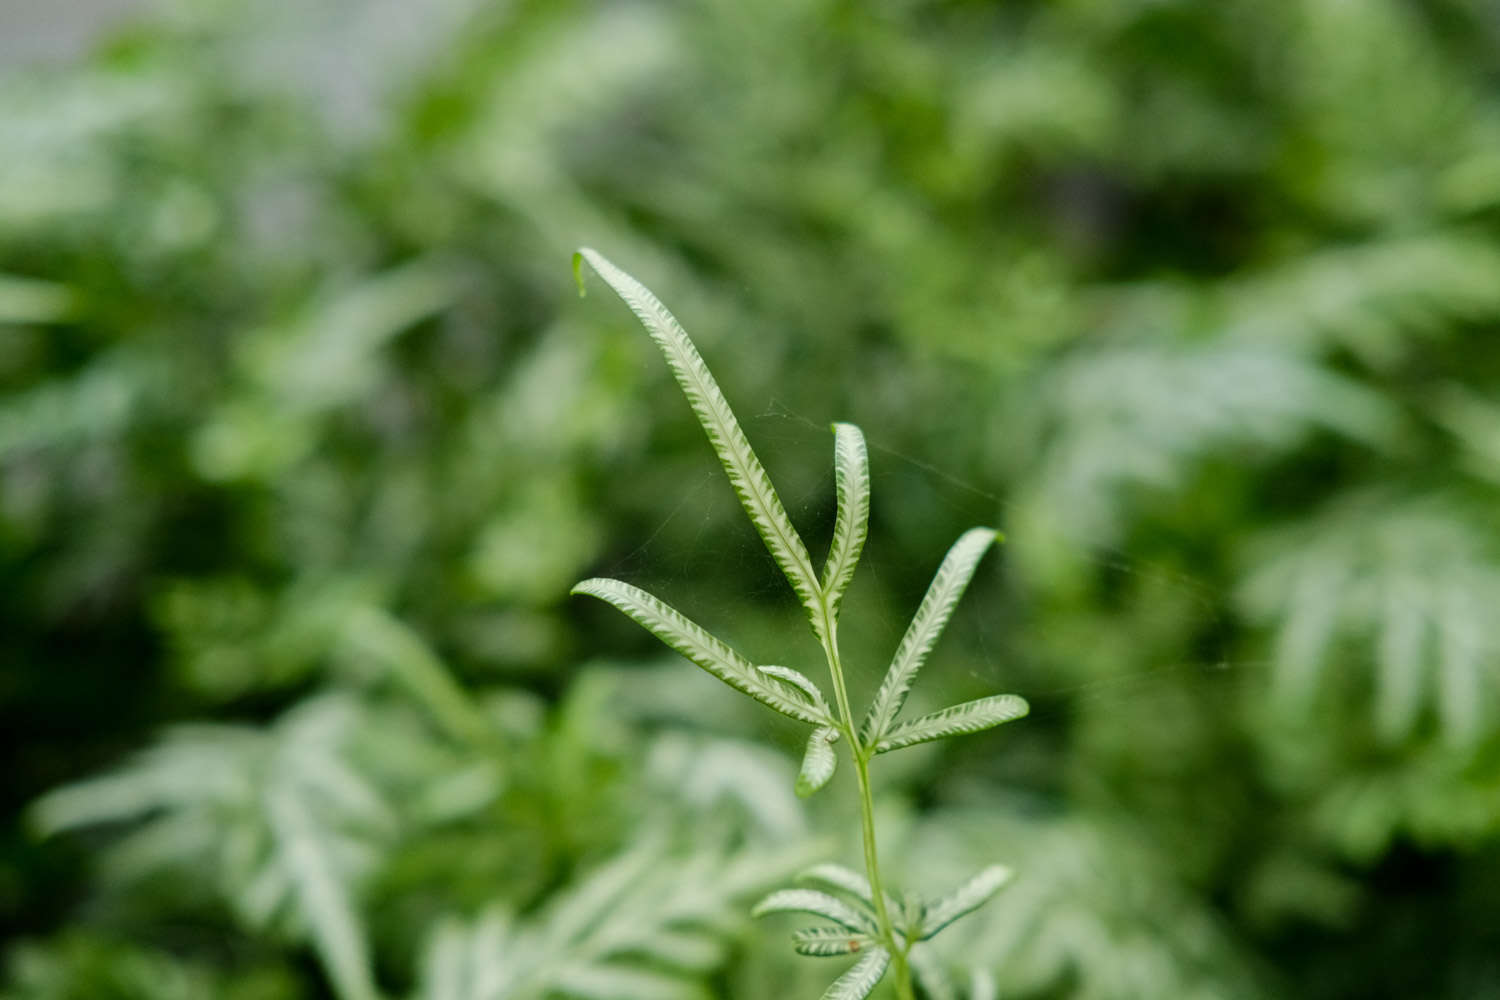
x: 578, y: 273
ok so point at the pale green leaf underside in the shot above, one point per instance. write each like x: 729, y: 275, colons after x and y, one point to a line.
x: 969, y: 717
x: 746, y: 473
x: 830, y: 942
x: 967, y: 898
x: 702, y: 648
x: 331, y: 916
x: 818, y: 761
x: 819, y: 903
x: 847, y: 880
x: 929, y: 973
x: 861, y: 979
x: 947, y: 587
x: 851, y: 472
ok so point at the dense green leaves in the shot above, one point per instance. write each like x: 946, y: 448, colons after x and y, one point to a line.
x: 295, y: 402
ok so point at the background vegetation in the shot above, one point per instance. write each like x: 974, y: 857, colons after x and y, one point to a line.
x: 304, y: 437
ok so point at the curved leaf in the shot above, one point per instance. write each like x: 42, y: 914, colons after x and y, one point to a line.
x: 969, y: 717
x: 968, y: 897
x: 799, y: 681
x: 861, y: 980
x: 820, y: 903
x: 818, y: 761
x: 746, y: 473
x: 693, y: 642
x: 851, y: 473
x: 937, y: 607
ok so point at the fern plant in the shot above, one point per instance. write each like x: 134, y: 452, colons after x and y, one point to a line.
x: 886, y: 930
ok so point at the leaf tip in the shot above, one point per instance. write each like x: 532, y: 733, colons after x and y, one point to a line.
x: 578, y: 259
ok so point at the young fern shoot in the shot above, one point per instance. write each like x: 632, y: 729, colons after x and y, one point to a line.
x: 887, y: 932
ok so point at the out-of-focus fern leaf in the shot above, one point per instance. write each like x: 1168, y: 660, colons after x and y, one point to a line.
x: 1078, y: 916
x: 82, y: 964
x: 99, y: 402
x: 1132, y: 418
x: 417, y: 668
x: 1362, y: 808
x: 652, y: 923
x: 1413, y: 580
x: 930, y: 975
x: 1379, y: 301
x: 277, y: 819
x: 706, y: 773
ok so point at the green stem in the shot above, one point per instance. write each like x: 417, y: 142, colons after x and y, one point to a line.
x: 900, y: 967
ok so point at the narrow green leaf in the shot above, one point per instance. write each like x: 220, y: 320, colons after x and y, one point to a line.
x: 965, y: 899
x: 818, y: 761
x: 969, y: 717
x: 820, y: 903
x: 937, y: 607
x: 703, y: 649
x: 861, y: 980
x: 799, y: 681
x: 830, y: 942
x: 746, y: 473
x: 851, y: 473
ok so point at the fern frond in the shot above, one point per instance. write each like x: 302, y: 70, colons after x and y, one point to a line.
x: 1413, y: 579
x: 651, y: 923
x: 279, y: 817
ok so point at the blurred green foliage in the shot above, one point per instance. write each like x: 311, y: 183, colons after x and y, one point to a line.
x: 302, y: 432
